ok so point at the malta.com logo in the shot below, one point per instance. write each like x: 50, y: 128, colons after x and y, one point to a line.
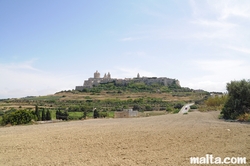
x: 210, y: 159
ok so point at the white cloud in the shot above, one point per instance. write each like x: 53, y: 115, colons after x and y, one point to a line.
x: 22, y: 79
x: 229, y: 8
x: 240, y: 49
x: 222, y: 9
x: 127, y: 39
x: 209, y: 86
x: 26, y: 65
x: 218, y: 73
x: 214, y: 24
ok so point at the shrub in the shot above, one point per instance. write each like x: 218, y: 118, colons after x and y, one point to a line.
x: 238, y: 101
x: 48, y: 115
x: 84, y: 114
x: 1, y: 113
x: 17, y: 117
x: 62, y: 115
x: 178, y: 106
x: 216, y: 101
x: 37, y: 113
x: 193, y: 107
x: 103, y: 114
x: 148, y: 108
x: 43, y: 115
x: 162, y: 108
x: 169, y: 109
x: 95, y: 114
x: 244, y: 117
x: 176, y: 111
x: 137, y: 107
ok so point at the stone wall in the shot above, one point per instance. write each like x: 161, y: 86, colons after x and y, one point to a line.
x: 126, y: 113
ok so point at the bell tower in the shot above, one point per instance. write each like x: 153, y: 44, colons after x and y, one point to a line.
x: 96, y: 74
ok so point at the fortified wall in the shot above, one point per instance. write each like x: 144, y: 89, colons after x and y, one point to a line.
x: 107, y: 78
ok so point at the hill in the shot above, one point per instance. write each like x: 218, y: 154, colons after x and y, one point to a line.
x: 108, y: 98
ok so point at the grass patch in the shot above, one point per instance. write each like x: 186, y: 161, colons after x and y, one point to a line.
x: 176, y: 111
x: 42, y: 98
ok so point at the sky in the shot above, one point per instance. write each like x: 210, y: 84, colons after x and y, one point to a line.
x: 47, y: 46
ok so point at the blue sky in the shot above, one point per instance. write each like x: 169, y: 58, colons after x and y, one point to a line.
x: 48, y: 46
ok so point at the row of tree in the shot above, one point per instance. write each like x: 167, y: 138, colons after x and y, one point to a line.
x: 16, y: 117
x: 45, y: 115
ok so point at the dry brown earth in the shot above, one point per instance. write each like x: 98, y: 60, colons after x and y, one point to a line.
x: 159, y: 140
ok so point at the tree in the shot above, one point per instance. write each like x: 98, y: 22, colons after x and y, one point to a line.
x: 48, y: 115
x: 238, y: 102
x: 37, y: 113
x: 84, y: 114
x: 84, y: 110
x: 95, y: 114
x: 43, y: 115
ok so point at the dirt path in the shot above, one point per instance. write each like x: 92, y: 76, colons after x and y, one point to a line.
x: 159, y: 140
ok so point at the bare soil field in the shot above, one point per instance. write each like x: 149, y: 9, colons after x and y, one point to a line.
x: 158, y: 140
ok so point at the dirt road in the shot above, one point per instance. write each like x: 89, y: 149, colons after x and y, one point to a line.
x: 159, y: 140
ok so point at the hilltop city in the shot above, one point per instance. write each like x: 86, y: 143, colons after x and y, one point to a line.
x: 91, y: 82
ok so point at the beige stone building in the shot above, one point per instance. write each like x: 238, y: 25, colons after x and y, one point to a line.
x: 107, y: 78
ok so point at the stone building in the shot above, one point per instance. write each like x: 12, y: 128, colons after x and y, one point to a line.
x: 126, y: 113
x: 107, y: 78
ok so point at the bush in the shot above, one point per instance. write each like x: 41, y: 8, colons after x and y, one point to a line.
x: 137, y: 107
x: 176, y: 111
x: 1, y: 113
x: 216, y: 101
x: 43, y: 115
x: 162, y: 108
x: 95, y: 114
x: 238, y: 101
x: 48, y: 115
x: 103, y: 114
x: 178, y: 106
x: 148, y: 108
x: 62, y: 115
x: 193, y: 107
x: 169, y: 109
x: 17, y: 117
